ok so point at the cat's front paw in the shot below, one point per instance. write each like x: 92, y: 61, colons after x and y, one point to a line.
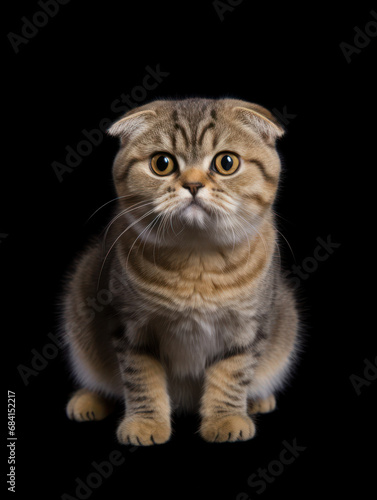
x: 85, y: 406
x: 261, y: 405
x: 229, y: 428
x: 141, y: 432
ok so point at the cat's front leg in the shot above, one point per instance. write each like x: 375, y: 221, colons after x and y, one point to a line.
x: 147, y: 417
x: 224, y: 401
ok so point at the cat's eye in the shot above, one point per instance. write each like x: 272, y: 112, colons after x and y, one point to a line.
x: 163, y: 164
x: 226, y: 163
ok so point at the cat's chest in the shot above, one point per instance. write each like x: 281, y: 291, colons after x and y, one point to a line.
x: 188, y: 342
x: 201, y: 284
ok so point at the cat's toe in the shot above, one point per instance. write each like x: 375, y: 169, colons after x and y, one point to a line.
x: 229, y: 428
x: 262, y: 405
x: 140, y: 432
x: 86, y: 406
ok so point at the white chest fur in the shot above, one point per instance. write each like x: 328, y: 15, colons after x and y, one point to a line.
x: 189, y: 342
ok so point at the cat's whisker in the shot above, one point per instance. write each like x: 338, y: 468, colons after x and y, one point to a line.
x: 121, y: 234
x: 256, y: 231
x: 248, y: 240
x: 282, y: 235
x: 165, y: 228
x: 281, y: 217
x: 140, y: 234
x: 163, y: 225
x: 290, y: 248
x: 139, y: 204
x: 155, y: 221
x: 171, y: 224
x: 136, y: 206
x: 156, y: 239
x: 183, y: 226
x: 114, y: 199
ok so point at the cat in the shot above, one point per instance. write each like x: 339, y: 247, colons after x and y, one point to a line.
x: 182, y: 305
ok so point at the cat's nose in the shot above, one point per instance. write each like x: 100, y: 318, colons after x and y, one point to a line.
x: 193, y: 187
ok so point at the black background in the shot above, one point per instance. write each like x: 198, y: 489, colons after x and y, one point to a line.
x: 64, y: 80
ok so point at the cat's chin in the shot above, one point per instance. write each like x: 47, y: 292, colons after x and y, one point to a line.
x: 194, y: 215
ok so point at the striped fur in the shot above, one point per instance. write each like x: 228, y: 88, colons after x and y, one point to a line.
x: 197, y: 315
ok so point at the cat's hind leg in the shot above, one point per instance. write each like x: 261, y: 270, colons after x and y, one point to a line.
x: 260, y: 405
x: 86, y: 406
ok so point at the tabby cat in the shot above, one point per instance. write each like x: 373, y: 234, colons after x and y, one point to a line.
x: 181, y: 304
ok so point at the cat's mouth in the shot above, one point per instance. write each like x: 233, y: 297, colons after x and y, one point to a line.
x: 197, y: 204
x: 194, y: 212
x: 194, y: 202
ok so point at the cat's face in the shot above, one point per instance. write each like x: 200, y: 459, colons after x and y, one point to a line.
x: 197, y: 168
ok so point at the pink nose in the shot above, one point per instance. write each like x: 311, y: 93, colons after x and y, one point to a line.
x: 193, y: 187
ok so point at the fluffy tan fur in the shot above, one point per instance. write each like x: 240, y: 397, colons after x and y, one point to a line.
x: 197, y: 314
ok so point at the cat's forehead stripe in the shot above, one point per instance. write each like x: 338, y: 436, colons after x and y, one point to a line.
x: 180, y: 128
x: 206, y: 127
x: 187, y: 125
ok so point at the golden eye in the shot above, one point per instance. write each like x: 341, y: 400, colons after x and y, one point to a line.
x: 226, y: 163
x: 163, y: 164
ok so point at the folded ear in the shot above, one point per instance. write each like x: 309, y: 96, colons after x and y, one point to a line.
x: 261, y: 120
x: 133, y: 122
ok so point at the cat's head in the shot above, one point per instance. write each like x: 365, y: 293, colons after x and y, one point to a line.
x: 197, y: 167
